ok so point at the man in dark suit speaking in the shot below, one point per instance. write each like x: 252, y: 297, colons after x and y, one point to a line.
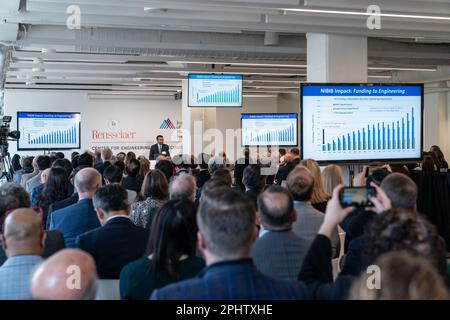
x: 159, y: 148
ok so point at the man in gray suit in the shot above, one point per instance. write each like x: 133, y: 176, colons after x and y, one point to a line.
x: 300, y: 183
x: 43, y: 162
x: 278, y: 252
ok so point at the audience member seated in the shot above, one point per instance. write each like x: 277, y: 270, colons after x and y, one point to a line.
x: 121, y: 157
x: 144, y: 167
x: 63, y: 163
x: 37, y: 191
x: 132, y: 181
x: 183, y: 187
x: 170, y: 255
x: 56, y: 188
x: 107, y: 158
x: 292, y: 159
x: 254, y: 183
x: 118, y: 241
x: 182, y: 164
x: 215, y: 163
x: 31, y: 174
x: 240, y: 166
x: 203, y: 174
x: 26, y: 168
x: 43, y: 162
x: 332, y: 177
x: 154, y: 193
x: 403, y: 277
x: 86, y: 160
x: 22, y: 241
x: 113, y: 174
x: 227, y: 230
x: 300, y: 183
x: 391, y: 230
x: 278, y: 252
x: 319, y: 197
x: 130, y: 156
x: 50, y: 280
x: 211, y: 185
x: 400, y: 192
x: 80, y: 217
x: 13, y: 196
x: 166, y: 167
x: 225, y: 174
x: 439, y: 155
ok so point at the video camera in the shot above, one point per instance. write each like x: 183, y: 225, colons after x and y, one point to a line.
x: 6, y: 134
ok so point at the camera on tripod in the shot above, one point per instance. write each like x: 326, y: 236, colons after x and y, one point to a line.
x: 6, y: 135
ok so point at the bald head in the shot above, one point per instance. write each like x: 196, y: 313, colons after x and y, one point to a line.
x: 69, y: 274
x: 276, y: 208
x: 23, y: 233
x: 87, y: 181
x: 300, y: 183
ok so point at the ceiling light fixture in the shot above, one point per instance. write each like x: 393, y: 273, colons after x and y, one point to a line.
x: 361, y: 13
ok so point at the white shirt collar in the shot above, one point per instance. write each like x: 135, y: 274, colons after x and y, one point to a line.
x: 117, y: 216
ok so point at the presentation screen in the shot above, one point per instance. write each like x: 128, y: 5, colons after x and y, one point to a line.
x: 267, y: 129
x: 213, y: 90
x: 361, y: 123
x: 48, y: 130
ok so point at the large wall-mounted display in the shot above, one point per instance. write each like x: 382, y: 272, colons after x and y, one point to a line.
x: 361, y: 123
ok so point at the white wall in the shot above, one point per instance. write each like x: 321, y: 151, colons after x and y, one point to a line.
x: 437, y: 118
x: 142, y: 117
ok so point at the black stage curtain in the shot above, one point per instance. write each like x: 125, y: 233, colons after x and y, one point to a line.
x: 434, y: 200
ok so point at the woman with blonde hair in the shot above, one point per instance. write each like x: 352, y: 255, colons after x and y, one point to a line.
x: 402, y: 276
x: 332, y: 177
x: 319, y: 198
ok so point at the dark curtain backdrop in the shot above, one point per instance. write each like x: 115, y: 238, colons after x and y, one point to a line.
x: 434, y: 200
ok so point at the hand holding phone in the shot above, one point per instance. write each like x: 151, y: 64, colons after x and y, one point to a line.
x: 357, y: 196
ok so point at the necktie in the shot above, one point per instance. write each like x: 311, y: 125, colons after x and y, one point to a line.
x: 159, y: 147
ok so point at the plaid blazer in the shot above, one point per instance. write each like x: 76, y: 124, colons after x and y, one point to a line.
x: 232, y: 280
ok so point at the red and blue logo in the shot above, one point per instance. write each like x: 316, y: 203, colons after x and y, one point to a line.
x: 167, y: 124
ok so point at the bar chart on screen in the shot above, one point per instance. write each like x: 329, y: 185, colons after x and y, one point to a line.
x: 345, y: 122
x: 269, y: 129
x: 386, y: 135
x: 49, y: 130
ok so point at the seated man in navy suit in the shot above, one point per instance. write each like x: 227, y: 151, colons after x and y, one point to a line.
x: 79, y: 217
x: 227, y: 230
x: 118, y: 242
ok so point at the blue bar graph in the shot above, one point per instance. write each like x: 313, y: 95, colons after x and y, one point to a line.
x: 379, y: 136
x: 274, y: 136
x: 230, y: 96
x: 69, y: 136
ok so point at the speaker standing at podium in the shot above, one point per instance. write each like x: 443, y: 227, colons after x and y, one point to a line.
x: 159, y: 148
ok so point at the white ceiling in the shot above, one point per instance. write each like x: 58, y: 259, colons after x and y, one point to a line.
x: 148, y: 47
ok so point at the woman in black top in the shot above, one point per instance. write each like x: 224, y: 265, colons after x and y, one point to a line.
x: 170, y: 255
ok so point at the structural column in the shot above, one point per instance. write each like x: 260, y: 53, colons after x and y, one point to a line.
x: 336, y: 58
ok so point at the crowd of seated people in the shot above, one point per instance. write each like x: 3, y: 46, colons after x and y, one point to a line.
x: 203, y: 227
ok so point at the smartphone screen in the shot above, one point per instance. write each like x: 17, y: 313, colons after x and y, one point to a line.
x: 357, y: 196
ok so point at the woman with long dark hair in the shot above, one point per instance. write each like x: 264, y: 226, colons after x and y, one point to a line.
x: 56, y: 188
x: 170, y: 254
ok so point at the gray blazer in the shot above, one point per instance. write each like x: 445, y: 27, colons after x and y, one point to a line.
x: 308, y: 224
x: 279, y: 254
